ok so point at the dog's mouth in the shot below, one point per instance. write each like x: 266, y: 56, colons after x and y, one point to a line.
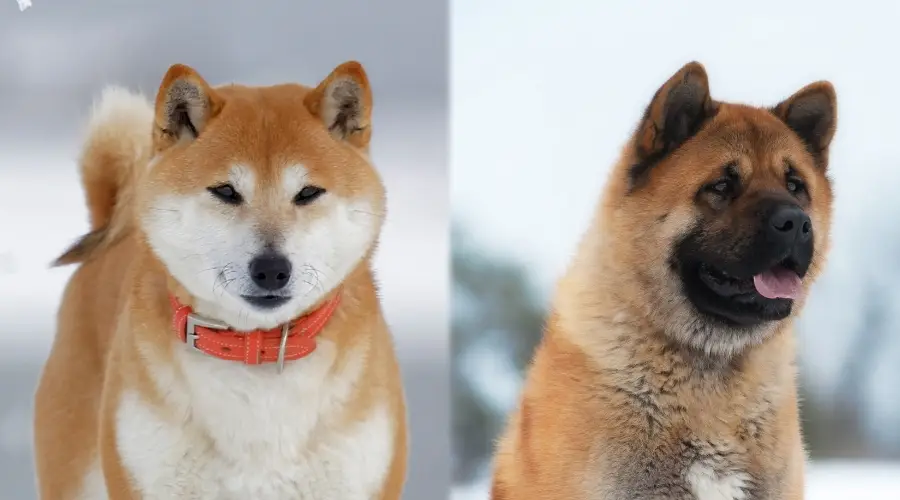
x: 746, y: 300
x: 778, y: 282
x: 266, y: 301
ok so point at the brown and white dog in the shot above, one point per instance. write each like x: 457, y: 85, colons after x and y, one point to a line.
x: 667, y: 370
x: 222, y: 337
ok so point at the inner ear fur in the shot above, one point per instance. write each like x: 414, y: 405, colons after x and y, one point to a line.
x: 677, y: 112
x: 185, y: 104
x: 343, y: 101
x: 811, y: 113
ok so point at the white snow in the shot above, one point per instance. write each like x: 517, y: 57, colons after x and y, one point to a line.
x: 23, y: 4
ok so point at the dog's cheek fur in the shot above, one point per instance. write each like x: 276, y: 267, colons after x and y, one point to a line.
x: 327, y: 241
x: 205, y: 250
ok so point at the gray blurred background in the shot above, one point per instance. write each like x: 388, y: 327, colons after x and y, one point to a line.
x: 56, y: 56
x: 544, y: 95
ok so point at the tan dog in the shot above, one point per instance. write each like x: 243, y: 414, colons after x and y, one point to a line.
x: 231, y: 236
x: 667, y: 366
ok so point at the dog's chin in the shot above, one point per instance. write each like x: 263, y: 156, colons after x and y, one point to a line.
x: 245, y: 312
x: 267, y: 303
x: 730, y: 300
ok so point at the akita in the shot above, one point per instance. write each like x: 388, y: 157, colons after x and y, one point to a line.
x: 667, y: 366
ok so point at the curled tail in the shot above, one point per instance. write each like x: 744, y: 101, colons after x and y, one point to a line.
x: 118, y: 142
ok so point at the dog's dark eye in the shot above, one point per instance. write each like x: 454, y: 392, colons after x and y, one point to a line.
x: 723, y: 187
x: 308, y: 195
x: 795, y: 186
x: 226, y: 193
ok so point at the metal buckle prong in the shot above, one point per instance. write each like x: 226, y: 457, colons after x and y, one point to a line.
x: 193, y: 321
x: 285, y: 331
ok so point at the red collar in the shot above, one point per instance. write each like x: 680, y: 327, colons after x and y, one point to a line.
x: 287, y: 342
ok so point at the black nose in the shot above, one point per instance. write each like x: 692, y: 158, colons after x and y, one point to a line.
x: 270, y: 271
x: 789, y: 224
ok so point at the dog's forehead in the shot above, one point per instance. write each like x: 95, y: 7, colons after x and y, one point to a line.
x: 269, y: 131
x: 286, y: 98
x: 272, y: 117
x: 748, y: 129
x: 758, y: 142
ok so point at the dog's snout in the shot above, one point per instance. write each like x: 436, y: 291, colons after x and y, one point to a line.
x: 789, y: 224
x: 270, y: 271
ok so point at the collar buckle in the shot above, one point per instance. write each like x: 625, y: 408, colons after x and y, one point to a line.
x: 193, y: 321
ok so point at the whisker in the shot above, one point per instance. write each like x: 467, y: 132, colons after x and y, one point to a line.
x: 374, y: 214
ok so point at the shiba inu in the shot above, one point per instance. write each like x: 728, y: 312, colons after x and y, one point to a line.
x: 222, y: 337
x: 667, y: 366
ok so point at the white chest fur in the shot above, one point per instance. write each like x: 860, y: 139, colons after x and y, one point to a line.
x: 706, y: 484
x: 246, y: 432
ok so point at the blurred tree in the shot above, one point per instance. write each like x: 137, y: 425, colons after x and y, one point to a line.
x: 494, y: 307
x: 862, y: 356
x: 836, y: 428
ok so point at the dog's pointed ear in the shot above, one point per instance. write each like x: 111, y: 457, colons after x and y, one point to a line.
x: 343, y: 101
x: 677, y: 112
x: 812, y: 114
x: 185, y: 104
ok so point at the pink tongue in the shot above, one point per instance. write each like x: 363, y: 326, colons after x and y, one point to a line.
x: 778, y: 283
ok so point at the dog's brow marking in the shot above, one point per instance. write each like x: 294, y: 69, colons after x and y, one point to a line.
x: 243, y: 180
x: 731, y: 169
x: 789, y: 167
x: 293, y: 179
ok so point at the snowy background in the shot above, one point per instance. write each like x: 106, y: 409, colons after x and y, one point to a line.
x: 56, y: 56
x: 543, y: 95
